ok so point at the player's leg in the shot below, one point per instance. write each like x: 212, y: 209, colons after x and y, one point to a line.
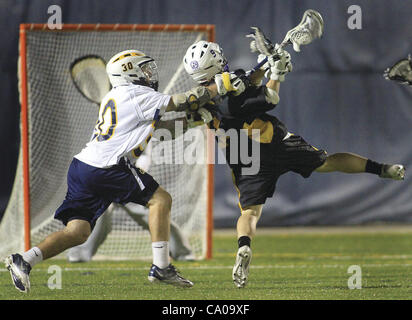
x: 253, y: 190
x: 160, y: 205
x: 246, y: 229
x: 75, y: 233
x: 179, y: 247
x: 87, y: 250
x: 343, y: 162
x: 353, y: 163
x: 295, y: 154
x: 144, y: 190
x: 246, y: 224
x: 90, y: 191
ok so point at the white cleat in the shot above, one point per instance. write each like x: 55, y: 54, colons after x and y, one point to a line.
x: 19, y: 271
x: 241, y: 269
x: 393, y: 171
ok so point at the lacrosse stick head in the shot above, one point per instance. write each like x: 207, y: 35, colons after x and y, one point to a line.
x: 90, y: 78
x: 260, y: 42
x: 400, y: 72
x: 309, y: 29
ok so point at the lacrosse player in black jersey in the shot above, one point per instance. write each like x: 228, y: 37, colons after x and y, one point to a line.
x: 243, y: 103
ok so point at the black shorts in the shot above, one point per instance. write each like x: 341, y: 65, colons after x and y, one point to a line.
x: 291, y: 154
x: 91, y: 190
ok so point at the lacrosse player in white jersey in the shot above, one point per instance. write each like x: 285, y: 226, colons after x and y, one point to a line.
x: 102, y: 172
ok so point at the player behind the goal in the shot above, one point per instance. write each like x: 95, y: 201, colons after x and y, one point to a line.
x: 102, y: 172
x: 280, y: 151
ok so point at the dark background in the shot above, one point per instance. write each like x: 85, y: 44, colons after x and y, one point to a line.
x: 336, y: 96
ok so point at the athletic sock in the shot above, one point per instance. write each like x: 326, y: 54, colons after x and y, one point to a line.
x: 160, y: 251
x: 33, y: 256
x: 243, y: 241
x: 373, y: 167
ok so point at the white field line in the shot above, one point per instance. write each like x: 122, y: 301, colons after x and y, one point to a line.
x: 292, y: 266
x: 358, y: 229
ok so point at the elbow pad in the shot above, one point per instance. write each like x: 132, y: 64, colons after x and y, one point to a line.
x: 191, y: 100
x: 271, y: 96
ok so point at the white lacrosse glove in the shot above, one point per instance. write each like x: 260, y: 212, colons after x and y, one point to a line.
x: 205, y: 116
x: 279, y: 68
x: 229, y: 82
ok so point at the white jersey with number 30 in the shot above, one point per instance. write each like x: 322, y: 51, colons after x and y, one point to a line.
x: 127, y: 118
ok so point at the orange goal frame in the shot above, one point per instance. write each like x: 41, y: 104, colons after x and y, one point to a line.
x: 208, y: 29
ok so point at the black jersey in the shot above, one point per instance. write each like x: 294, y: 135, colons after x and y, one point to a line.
x: 279, y: 150
x: 247, y: 111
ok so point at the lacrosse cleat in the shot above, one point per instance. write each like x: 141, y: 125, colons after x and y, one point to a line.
x: 393, y: 171
x: 169, y: 275
x: 19, y: 271
x: 241, y: 269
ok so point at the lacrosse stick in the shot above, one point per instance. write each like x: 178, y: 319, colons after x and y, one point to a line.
x: 309, y: 29
x: 400, y: 72
x: 90, y: 78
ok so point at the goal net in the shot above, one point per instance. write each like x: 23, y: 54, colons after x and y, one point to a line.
x: 57, y: 122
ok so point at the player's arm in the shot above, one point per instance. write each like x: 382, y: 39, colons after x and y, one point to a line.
x: 179, y: 126
x: 256, y: 80
x: 275, y: 71
x: 192, y: 99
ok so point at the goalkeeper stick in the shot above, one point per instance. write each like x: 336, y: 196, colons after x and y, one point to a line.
x: 309, y: 29
x: 89, y: 77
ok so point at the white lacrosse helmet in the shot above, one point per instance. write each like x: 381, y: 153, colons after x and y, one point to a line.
x: 132, y: 66
x: 203, y: 60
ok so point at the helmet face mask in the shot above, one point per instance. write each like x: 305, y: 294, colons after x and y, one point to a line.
x: 203, y: 60
x: 132, y: 66
x: 148, y: 75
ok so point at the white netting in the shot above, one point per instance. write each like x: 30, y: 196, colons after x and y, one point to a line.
x: 61, y: 121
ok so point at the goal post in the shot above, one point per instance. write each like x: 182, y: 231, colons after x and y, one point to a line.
x: 56, y: 122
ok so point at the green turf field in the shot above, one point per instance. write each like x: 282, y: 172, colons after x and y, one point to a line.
x: 285, y: 265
